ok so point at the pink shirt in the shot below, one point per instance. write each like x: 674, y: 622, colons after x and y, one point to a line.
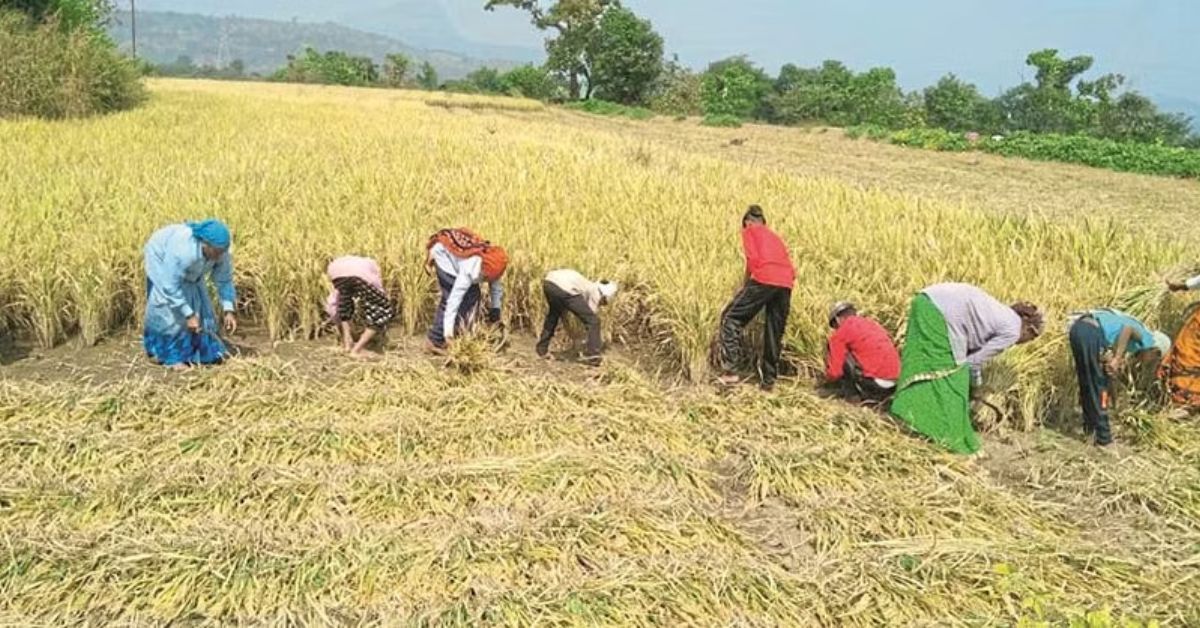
x: 363, y: 268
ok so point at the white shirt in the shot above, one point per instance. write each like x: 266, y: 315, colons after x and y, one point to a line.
x: 575, y: 284
x: 1194, y: 283
x: 466, y: 272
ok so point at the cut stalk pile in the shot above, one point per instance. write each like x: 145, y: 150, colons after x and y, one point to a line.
x: 272, y: 491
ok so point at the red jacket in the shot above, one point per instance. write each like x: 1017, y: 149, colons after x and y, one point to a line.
x: 870, y: 345
x: 767, y: 258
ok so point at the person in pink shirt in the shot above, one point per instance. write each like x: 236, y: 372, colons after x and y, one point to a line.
x: 358, y: 288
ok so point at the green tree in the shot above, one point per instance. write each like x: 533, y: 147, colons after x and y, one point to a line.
x: 529, y: 81
x: 427, y: 78
x: 812, y: 94
x: 956, y: 105
x: 71, y: 15
x: 333, y: 67
x: 1049, y: 106
x: 575, y: 24
x: 678, y: 91
x: 486, y: 80
x: 1132, y: 117
x: 735, y: 87
x: 625, y: 56
x: 395, y: 69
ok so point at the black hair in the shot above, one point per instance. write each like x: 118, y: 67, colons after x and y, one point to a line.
x: 755, y: 213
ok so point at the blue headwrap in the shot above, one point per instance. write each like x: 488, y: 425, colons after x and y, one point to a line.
x: 212, y: 232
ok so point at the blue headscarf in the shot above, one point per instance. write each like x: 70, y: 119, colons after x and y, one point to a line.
x: 212, y: 232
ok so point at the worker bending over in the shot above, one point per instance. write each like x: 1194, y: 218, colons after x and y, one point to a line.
x: 567, y: 290
x: 860, y: 356
x: 462, y: 261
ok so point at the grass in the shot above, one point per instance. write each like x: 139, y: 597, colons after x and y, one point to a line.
x: 605, y: 108
x: 314, y: 492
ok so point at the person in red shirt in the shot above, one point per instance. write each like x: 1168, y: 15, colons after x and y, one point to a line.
x: 860, y: 356
x: 768, y: 285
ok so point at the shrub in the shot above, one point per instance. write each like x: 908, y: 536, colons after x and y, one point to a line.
x: 605, y: 108
x: 1074, y: 149
x: 52, y: 72
x: 722, y: 120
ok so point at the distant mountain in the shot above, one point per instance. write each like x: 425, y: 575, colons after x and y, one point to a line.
x: 264, y: 45
x: 420, y: 23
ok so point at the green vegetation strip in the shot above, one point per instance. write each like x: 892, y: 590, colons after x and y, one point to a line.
x: 1076, y: 149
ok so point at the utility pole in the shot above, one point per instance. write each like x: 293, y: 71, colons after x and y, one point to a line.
x: 133, y: 23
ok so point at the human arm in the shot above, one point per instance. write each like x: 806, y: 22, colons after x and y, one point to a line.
x: 496, y: 300
x: 1183, y: 286
x: 995, y: 345
x: 835, y: 357
x: 1128, y: 334
x: 469, y: 272
x: 223, y: 276
x: 750, y: 248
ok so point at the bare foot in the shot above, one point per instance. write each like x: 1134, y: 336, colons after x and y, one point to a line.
x: 362, y: 355
x: 729, y: 380
x: 181, y: 368
x: 434, y: 349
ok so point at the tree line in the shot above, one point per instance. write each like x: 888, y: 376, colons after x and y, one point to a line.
x: 601, y: 49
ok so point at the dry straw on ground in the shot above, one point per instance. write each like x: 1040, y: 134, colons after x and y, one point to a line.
x: 322, y: 491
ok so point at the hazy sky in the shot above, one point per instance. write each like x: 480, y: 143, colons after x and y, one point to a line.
x: 1151, y: 41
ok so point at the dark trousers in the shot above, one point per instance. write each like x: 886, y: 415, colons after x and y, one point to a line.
x: 1088, y: 347
x: 561, y: 302
x: 470, y: 301
x: 857, y: 385
x: 753, y: 298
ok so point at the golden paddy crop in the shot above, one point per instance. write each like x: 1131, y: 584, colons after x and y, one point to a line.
x: 312, y: 491
x: 303, y: 174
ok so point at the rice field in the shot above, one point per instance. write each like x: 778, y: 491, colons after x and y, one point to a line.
x: 308, y: 490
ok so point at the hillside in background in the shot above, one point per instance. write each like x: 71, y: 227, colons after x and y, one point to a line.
x: 263, y: 45
x: 419, y: 23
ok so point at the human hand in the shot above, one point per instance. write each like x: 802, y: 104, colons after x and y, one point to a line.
x: 1177, y: 286
x: 1114, y: 365
x: 231, y: 323
x: 193, y: 324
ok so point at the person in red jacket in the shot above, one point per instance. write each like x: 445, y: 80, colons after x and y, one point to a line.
x: 768, y: 285
x: 861, y: 356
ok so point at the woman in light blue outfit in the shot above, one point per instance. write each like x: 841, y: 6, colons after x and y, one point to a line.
x: 180, y: 326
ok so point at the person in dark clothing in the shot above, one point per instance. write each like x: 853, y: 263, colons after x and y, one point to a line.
x: 768, y: 285
x: 1100, y: 341
x: 568, y: 291
x: 861, y: 359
